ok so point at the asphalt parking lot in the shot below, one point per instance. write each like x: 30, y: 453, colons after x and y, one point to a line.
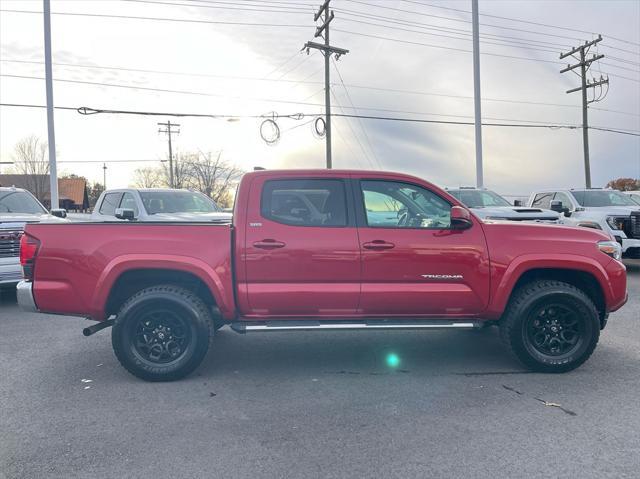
x: 317, y: 405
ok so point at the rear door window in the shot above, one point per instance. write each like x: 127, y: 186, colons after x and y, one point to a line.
x: 303, y: 202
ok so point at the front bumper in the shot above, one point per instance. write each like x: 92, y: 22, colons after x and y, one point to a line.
x: 618, y: 294
x: 10, y: 273
x: 630, y: 243
x: 24, y: 293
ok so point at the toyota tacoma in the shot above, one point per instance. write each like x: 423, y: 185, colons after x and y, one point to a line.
x: 318, y: 250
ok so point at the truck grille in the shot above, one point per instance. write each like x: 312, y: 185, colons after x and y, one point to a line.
x: 634, y: 225
x: 10, y: 243
x: 630, y: 224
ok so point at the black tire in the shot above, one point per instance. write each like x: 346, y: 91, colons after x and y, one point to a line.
x: 550, y: 326
x: 144, y: 341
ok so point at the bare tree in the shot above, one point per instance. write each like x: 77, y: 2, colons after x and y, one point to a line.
x: 182, y: 170
x: 148, y: 177
x: 215, y: 177
x: 30, y: 159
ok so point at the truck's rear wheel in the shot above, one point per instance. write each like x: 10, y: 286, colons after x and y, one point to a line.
x: 162, y: 333
x: 550, y: 326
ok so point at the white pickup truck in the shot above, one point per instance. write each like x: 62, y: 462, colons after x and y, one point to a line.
x: 17, y: 208
x: 157, y: 205
x: 608, y: 210
x: 488, y: 205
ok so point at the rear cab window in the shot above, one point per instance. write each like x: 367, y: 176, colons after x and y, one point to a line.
x: 305, y: 202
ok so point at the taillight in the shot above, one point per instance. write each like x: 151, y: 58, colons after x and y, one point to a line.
x: 28, y: 251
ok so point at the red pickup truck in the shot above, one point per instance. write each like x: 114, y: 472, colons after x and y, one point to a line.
x: 326, y: 250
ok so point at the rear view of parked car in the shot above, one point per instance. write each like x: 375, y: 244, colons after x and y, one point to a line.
x: 489, y: 205
x: 157, y: 205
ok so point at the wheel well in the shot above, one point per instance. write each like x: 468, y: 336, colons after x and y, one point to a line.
x: 130, y: 282
x: 580, y: 279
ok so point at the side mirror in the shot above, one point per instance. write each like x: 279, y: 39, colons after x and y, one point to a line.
x: 125, y: 214
x: 517, y: 202
x: 556, y: 205
x: 460, y: 218
x: 59, y: 212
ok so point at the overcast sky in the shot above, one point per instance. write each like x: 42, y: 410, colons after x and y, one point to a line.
x: 416, y: 48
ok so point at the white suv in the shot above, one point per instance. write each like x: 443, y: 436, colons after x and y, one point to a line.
x: 608, y: 210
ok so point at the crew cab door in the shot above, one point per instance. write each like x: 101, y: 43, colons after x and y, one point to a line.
x: 413, y: 263
x: 301, y: 251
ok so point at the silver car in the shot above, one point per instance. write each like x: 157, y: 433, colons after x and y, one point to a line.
x: 156, y: 204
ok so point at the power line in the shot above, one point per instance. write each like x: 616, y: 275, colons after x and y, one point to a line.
x: 160, y: 19
x: 267, y: 100
x: 366, y: 136
x: 305, y: 80
x: 365, y: 155
x: 299, y: 116
x: 518, y: 20
x: 297, y: 11
x: 459, y: 20
x: 415, y: 24
x: 513, y: 57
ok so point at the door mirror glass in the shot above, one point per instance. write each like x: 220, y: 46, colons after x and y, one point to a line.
x: 59, y: 212
x: 125, y: 214
x: 460, y: 218
x: 517, y: 202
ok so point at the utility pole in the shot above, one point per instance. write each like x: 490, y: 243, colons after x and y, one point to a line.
x: 104, y: 175
x: 327, y: 50
x: 51, y: 136
x: 477, y: 99
x: 167, y: 129
x: 584, y: 63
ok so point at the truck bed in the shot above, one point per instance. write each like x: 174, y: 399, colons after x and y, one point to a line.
x: 79, y: 263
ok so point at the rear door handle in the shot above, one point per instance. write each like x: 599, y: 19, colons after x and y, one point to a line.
x: 268, y: 244
x: 378, y: 245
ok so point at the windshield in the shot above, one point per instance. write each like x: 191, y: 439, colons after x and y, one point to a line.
x: 177, y: 202
x: 635, y: 197
x: 595, y: 199
x: 20, y: 202
x: 479, y: 199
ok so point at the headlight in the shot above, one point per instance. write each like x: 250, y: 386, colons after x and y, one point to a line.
x: 613, y: 224
x: 610, y: 248
x: 590, y: 224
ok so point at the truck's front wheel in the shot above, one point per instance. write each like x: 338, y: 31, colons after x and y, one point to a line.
x: 550, y: 326
x: 162, y: 333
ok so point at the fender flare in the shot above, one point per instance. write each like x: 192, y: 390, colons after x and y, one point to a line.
x: 121, y: 264
x: 521, y: 264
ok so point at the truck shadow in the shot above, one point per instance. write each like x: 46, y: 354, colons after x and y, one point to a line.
x: 355, y: 353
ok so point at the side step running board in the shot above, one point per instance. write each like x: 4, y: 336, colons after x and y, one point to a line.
x: 310, y: 325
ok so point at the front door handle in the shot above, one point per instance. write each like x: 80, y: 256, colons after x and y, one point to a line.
x: 378, y: 245
x: 268, y: 244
